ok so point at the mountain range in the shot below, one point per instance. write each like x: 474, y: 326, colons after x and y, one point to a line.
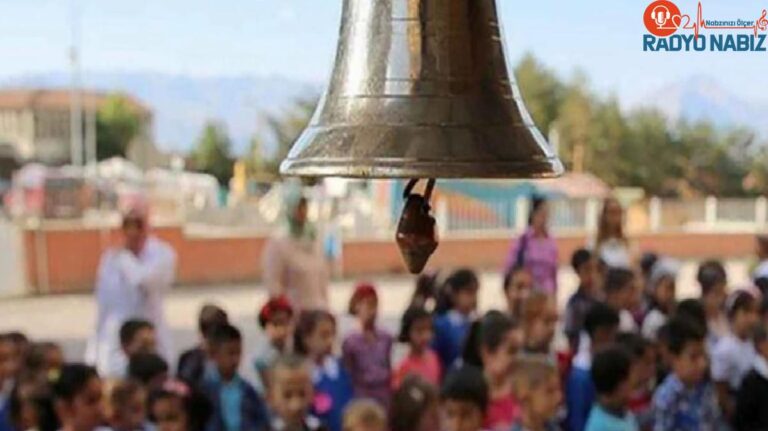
x: 183, y: 104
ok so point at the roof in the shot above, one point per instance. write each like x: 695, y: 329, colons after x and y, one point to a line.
x: 57, y: 99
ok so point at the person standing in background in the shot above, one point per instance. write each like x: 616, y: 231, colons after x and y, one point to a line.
x: 536, y: 250
x: 131, y: 283
x: 611, y: 245
x: 293, y: 262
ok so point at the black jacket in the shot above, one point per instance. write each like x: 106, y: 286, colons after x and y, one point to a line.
x: 752, y: 403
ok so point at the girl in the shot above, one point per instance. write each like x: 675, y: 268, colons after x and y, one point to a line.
x: 518, y: 284
x: 536, y: 250
x: 451, y: 327
x: 734, y: 354
x: 365, y: 415
x: 611, y: 245
x: 78, y: 399
x: 315, y: 335
x: 366, y: 352
x: 414, y: 406
x: 276, y: 320
x: 493, y: 345
x: 416, y: 330
x: 537, y: 386
x: 662, y: 288
x: 714, y: 282
x: 539, y: 321
x: 175, y: 407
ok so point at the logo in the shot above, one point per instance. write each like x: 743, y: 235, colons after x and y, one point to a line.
x: 662, y: 18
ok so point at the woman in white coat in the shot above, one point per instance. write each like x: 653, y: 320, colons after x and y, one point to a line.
x: 131, y: 283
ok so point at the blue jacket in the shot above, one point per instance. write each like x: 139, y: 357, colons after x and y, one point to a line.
x: 333, y: 391
x: 253, y: 411
x: 450, y: 331
x: 579, y: 397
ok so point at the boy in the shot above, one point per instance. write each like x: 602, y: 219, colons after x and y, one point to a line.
x: 192, y: 362
x: 686, y: 400
x: 752, y: 398
x: 149, y: 369
x: 644, y: 373
x: 452, y: 326
x: 611, y: 371
x: 291, y: 395
x: 586, y: 267
x: 464, y: 399
x: 621, y: 294
x: 236, y: 405
x: 600, y: 324
x: 127, y: 407
x: 536, y: 385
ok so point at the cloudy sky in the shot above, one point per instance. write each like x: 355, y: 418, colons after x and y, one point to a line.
x: 297, y: 38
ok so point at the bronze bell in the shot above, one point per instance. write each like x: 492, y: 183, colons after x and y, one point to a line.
x: 421, y: 89
x: 416, y: 232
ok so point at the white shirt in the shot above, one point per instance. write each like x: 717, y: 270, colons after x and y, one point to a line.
x: 130, y: 287
x: 653, y: 321
x: 627, y: 323
x: 732, y: 359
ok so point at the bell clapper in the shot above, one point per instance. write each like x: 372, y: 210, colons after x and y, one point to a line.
x: 416, y: 232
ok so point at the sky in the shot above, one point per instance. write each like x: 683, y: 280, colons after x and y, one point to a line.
x: 297, y: 39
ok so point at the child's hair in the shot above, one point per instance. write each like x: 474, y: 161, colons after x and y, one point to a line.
x: 210, y: 316
x: 222, y: 334
x: 412, y: 315
x: 276, y: 304
x: 617, y: 279
x: 307, y: 323
x: 466, y: 384
x: 459, y: 280
x: 647, y: 260
x: 534, y: 305
x: 530, y: 373
x: 579, y: 258
x: 409, y: 403
x: 35, y: 360
x: 693, y: 309
x: 18, y: 338
x: 123, y: 391
x: 739, y: 300
x: 427, y: 287
x: 288, y: 362
x: 364, y: 414
x: 362, y: 291
x: 130, y: 328
x: 145, y: 367
x: 197, y: 407
x: 610, y: 367
x: 710, y: 274
x: 634, y: 344
x: 72, y: 380
x: 600, y: 315
x: 487, y: 332
x: 509, y: 275
x: 681, y: 331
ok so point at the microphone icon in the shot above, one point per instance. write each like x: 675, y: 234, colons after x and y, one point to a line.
x: 661, y: 14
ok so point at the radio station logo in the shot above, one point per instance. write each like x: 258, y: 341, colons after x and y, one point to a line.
x: 669, y: 29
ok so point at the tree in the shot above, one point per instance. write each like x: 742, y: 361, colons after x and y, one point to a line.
x: 541, y: 91
x: 118, y: 123
x: 212, y: 153
x: 574, y: 124
x: 284, y: 129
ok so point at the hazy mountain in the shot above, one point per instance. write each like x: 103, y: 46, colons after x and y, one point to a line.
x: 182, y: 104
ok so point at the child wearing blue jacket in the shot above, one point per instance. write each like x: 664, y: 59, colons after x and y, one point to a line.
x: 454, y: 315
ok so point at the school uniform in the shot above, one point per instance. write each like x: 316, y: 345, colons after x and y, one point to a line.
x: 450, y: 331
x: 732, y: 359
x: 236, y: 405
x: 601, y: 419
x: 333, y: 391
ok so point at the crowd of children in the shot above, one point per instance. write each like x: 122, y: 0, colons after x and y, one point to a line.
x: 632, y: 358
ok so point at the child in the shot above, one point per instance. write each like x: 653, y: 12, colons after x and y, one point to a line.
x: 127, y: 407
x: 585, y: 265
x: 235, y: 404
x: 451, y: 327
x: 10, y: 364
x: 662, y: 289
x: 734, y: 354
x: 644, y: 372
x: 149, y: 369
x: 713, y: 281
x: 537, y: 387
x: 414, y: 406
x: 192, y: 362
x: 30, y: 406
x: 315, y: 336
x: 600, y: 324
x: 45, y: 359
x: 276, y: 320
x: 137, y: 336
x: 290, y: 395
x: 493, y: 344
x: 539, y: 319
x: 364, y: 415
x: 685, y: 400
x: 611, y: 374
x: 173, y: 406
x: 464, y: 399
x: 416, y: 330
x: 366, y: 352
x: 752, y: 397
x: 518, y: 284
x: 77, y: 398
x: 620, y: 293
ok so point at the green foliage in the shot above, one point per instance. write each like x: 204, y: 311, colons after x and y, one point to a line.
x: 117, y: 124
x: 212, y: 153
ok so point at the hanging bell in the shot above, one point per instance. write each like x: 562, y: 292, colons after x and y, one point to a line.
x: 416, y: 235
x: 421, y: 89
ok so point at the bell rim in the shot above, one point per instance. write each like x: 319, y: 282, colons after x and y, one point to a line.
x: 379, y: 168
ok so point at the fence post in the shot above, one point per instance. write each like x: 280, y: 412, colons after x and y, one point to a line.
x: 710, y: 211
x: 521, y: 213
x: 591, y: 214
x: 654, y: 213
x: 761, y: 211
x: 441, y: 216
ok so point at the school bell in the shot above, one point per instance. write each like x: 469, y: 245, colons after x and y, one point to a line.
x: 421, y: 90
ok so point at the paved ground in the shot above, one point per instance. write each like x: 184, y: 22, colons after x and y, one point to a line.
x: 68, y: 319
